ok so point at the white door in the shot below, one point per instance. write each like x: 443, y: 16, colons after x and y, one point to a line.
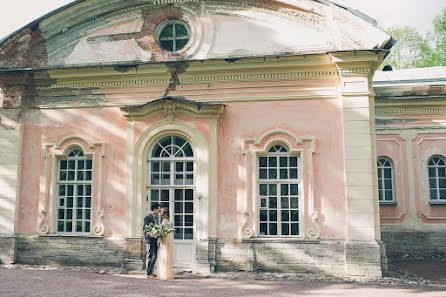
x: 171, y: 184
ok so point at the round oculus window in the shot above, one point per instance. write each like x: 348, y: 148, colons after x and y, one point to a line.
x: 173, y: 36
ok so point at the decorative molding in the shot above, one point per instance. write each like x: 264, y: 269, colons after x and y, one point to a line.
x: 408, y: 135
x: 432, y: 218
x: 398, y: 196
x: 98, y: 229
x: 408, y: 111
x: 246, y: 232
x: 306, y: 156
x: 169, y: 110
x: 74, y: 137
x: 423, y: 173
x: 77, y: 105
x: 42, y: 227
x: 354, y: 70
x: 394, y: 218
x: 188, y: 79
x: 170, y: 107
x: 420, y: 129
x: 49, y: 156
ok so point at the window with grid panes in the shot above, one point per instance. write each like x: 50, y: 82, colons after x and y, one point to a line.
x: 171, y: 182
x: 385, y: 181
x: 173, y: 36
x: 278, y: 193
x: 436, y: 167
x: 74, y: 193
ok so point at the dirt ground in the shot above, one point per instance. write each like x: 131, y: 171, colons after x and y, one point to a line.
x: 19, y: 281
x: 432, y: 270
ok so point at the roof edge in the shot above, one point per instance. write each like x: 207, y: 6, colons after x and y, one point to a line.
x: 40, y: 19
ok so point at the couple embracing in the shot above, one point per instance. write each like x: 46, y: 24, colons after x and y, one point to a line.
x: 162, y: 249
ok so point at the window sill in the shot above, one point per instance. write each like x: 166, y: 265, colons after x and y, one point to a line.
x: 70, y: 235
x: 437, y: 202
x: 280, y: 240
x: 384, y: 203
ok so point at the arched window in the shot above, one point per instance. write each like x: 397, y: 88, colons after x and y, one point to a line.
x: 278, y: 193
x: 74, y: 192
x: 171, y: 182
x: 436, y: 167
x: 385, y: 181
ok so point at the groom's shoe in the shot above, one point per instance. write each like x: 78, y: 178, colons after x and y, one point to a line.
x: 152, y: 276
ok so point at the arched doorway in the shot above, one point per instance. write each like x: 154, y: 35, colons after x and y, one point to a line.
x: 171, y: 183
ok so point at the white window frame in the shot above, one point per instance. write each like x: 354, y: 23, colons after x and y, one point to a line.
x: 173, y: 22
x: 279, y: 182
x: 172, y: 185
x: 75, y: 183
x: 437, y: 178
x: 381, y: 168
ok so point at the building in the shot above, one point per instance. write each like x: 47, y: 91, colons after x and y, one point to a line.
x: 253, y: 121
x: 411, y: 151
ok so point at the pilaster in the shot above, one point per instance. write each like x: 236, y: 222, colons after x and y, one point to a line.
x: 12, y: 98
x: 362, y: 251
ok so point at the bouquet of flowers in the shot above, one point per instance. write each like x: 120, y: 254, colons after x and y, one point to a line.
x: 152, y: 230
x: 166, y: 228
x: 157, y: 230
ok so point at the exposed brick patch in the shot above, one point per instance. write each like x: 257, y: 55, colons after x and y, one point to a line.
x: 146, y: 38
x: 25, y: 49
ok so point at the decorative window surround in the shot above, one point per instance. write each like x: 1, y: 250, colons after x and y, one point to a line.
x: 304, y: 148
x: 386, y: 168
x: 206, y: 157
x: 398, y: 178
x: 423, y: 175
x: 52, y: 153
x: 436, y: 167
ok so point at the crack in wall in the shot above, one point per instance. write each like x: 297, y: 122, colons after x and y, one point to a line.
x: 175, y: 69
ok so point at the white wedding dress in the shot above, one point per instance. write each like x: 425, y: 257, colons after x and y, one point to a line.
x: 165, y: 256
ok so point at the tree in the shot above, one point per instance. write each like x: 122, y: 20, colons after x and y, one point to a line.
x: 439, y: 39
x: 413, y: 50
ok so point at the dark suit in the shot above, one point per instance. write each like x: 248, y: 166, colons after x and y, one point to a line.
x: 151, y: 246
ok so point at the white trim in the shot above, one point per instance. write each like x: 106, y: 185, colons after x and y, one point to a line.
x: 52, y: 152
x: 302, y: 146
x: 392, y: 177
x: 138, y: 167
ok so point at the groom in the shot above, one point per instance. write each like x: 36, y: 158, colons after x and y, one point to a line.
x: 151, y: 242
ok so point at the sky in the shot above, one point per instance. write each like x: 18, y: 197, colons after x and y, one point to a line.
x: 15, y: 14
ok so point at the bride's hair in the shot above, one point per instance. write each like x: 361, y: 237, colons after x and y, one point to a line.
x: 165, y: 212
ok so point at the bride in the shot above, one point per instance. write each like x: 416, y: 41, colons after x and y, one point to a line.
x: 165, y: 258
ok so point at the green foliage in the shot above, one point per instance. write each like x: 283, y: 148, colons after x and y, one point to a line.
x: 413, y: 50
x: 440, y: 39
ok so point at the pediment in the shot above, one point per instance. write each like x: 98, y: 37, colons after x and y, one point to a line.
x: 170, y: 107
x: 101, y: 32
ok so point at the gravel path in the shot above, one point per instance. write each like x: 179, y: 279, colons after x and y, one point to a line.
x: 22, y: 280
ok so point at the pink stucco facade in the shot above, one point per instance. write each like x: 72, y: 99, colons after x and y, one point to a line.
x: 111, y: 89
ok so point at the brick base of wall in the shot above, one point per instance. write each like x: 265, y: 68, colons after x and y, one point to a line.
x: 75, y: 250
x: 325, y: 256
x: 363, y: 258
x: 275, y: 255
x: 414, y: 245
x: 8, y: 249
